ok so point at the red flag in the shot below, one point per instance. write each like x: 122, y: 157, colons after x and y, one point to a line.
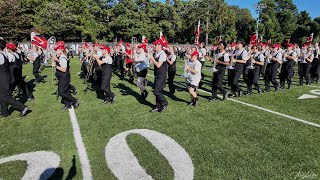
x: 144, y: 39
x: 253, y: 39
x: 196, y: 41
x: 164, y: 40
x: 310, y: 38
x: 38, y: 40
x: 269, y: 42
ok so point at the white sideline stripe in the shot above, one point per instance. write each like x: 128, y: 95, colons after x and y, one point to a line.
x: 264, y: 109
x: 314, y: 86
x: 84, y: 161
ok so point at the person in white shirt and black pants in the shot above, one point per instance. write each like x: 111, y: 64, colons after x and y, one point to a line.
x: 171, y: 69
x: 5, y: 78
x: 106, y: 67
x: 287, y: 67
x: 194, y: 70
x: 222, y: 61
x: 63, y: 74
x: 141, y: 68
x: 160, y: 72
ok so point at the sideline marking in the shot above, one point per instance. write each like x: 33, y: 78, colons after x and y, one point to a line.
x: 124, y: 164
x: 258, y: 107
x: 84, y: 161
x: 40, y: 164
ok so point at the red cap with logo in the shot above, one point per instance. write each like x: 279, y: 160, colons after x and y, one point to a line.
x: 158, y: 42
x: 60, y: 47
x: 276, y: 46
x: 290, y: 45
x: 143, y: 46
x: 104, y: 47
x: 11, y: 46
x: 196, y: 53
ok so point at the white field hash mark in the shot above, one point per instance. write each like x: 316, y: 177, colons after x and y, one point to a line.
x: 84, y: 161
x: 258, y: 107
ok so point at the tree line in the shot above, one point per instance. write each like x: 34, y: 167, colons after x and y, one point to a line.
x: 111, y: 20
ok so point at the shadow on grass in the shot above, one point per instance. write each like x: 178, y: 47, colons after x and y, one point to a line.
x: 59, y: 172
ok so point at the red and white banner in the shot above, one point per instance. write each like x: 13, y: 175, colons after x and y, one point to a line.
x: 253, y: 39
x: 38, y: 40
x: 164, y: 40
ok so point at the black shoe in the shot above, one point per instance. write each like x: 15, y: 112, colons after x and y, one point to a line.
x: 225, y: 96
x: 277, y: 88
x: 112, y: 100
x: 240, y: 93
x: 45, y: 75
x: 31, y: 98
x: 196, y: 102
x: 259, y: 90
x: 24, y: 111
x: 106, y: 102
x: 289, y: 86
x: 154, y: 110
x: 267, y: 90
x: 3, y: 116
x: 66, y: 108
x: 76, y: 104
x: 211, y: 99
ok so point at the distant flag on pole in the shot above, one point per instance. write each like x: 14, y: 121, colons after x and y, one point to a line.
x: 253, y: 39
x: 196, y: 41
x: 309, y: 41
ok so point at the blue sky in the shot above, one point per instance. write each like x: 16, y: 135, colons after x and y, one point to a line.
x: 311, y: 6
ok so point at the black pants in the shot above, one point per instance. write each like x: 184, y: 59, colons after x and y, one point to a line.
x: 271, y: 75
x: 5, y: 97
x: 253, y: 78
x: 161, y: 101
x: 304, y: 72
x: 315, y: 70
x: 286, y: 73
x: 236, y: 74
x: 171, y: 75
x: 63, y: 90
x: 217, y: 81
x: 35, y: 71
x: 105, y: 83
x: 230, y: 76
x: 120, y: 62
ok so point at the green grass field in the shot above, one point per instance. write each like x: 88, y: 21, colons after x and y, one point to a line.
x: 224, y: 139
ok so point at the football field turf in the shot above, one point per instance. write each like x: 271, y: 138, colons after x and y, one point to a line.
x: 262, y: 136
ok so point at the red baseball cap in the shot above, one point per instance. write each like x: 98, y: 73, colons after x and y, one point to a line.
x: 158, y: 42
x: 290, y: 45
x: 143, y: 46
x: 60, y: 47
x: 196, y: 53
x: 60, y: 43
x: 96, y: 44
x: 128, y: 44
x: 233, y: 44
x: 276, y: 46
x: 11, y: 46
x: 104, y: 47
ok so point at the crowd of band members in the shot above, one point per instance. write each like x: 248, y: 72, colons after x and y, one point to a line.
x: 231, y: 61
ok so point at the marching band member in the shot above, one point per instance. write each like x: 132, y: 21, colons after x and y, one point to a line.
x: 63, y: 73
x: 171, y: 60
x: 315, y: 66
x: 106, y: 67
x: 129, y: 62
x: 273, y: 62
x: 140, y: 60
x: 202, y: 54
x: 16, y: 72
x: 265, y: 51
x: 305, y: 66
x: 287, y: 66
x: 5, y: 78
x: 194, y: 69
x: 35, y: 58
x: 232, y: 52
x: 240, y: 60
x: 257, y: 60
x: 160, y: 73
x: 222, y: 61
